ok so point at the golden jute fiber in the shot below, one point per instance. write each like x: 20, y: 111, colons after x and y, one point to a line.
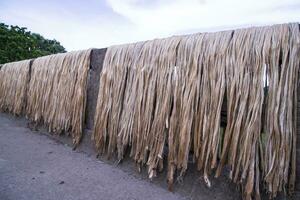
x: 57, y: 92
x: 14, y: 79
x: 281, y: 111
x: 162, y: 99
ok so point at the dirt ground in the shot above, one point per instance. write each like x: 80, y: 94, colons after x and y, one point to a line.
x: 35, y: 165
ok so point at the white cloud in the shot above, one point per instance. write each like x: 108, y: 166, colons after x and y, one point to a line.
x: 94, y: 23
x: 169, y: 17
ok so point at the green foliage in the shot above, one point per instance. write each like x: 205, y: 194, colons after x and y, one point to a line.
x: 16, y: 43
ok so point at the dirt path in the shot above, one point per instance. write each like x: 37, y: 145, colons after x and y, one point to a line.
x: 33, y: 167
x: 37, y: 166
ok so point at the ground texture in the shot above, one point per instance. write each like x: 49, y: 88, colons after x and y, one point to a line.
x: 34, y: 166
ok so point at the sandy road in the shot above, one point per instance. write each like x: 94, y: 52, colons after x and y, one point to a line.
x: 34, y: 167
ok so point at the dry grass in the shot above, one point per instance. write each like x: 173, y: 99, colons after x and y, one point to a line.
x: 57, y: 92
x: 170, y: 92
x: 14, y: 79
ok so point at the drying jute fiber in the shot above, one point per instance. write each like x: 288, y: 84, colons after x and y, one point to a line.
x: 161, y: 100
x: 14, y: 79
x: 57, y: 92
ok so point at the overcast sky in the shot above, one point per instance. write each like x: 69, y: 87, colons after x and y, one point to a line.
x: 82, y: 24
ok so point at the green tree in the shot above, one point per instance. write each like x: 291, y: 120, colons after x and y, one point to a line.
x: 16, y: 43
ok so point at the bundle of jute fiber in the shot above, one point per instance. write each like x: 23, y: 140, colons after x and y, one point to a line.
x: 282, y: 72
x: 57, y: 92
x: 129, y: 90
x: 262, y: 58
x: 195, y: 118
x: 14, y: 79
x: 245, y: 86
x: 164, y: 97
x: 142, y: 87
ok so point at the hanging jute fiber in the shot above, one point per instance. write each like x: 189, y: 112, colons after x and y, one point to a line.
x: 57, y: 92
x: 14, y: 79
x: 281, y: 111
x: 162, y: 99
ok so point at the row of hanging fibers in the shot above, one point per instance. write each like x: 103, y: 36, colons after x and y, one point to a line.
x: 162, y: 99
x: 14, y: 79
x: 57, y: 92
x: 169, y: 92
